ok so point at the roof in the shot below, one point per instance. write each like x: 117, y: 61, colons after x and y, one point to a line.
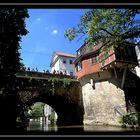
x: 96, y: 49
x: 63, y: 54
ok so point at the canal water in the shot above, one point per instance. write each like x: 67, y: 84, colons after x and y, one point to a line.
x: 89, y: 129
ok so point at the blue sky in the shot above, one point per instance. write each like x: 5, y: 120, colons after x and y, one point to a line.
x: 46, y: 34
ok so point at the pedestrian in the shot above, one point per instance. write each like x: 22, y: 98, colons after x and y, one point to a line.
x: 57, y: 72
x: 65, y: 73
x: 33, y: 70
x: 28, y: 69
x: 61, y: 72
x: 54, y: 72
x: 47, y: 71
x: 36, y: 69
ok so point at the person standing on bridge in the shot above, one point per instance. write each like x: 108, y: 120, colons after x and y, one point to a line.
x: 47, y: 71
x: 61, y: 73
x: 57, y: 72
x: 36, y: 69
x: 65, y: 73
x: 33, y: 70
x: 28, y: 69
x: 54, y: 72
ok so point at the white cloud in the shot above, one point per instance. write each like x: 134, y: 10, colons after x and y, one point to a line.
x: 55, y: 32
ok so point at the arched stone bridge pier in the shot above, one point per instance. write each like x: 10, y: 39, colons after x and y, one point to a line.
x: 61, y: 92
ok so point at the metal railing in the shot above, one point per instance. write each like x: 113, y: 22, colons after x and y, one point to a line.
x: 119, y: 109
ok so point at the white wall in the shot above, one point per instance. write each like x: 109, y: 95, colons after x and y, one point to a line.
x: 68, y: 67
x: 60, y: 66
x: 56, y: 66
x: 47, y: 110
x: 138, y: 57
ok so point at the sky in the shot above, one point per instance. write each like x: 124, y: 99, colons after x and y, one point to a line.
x: 46, y: 34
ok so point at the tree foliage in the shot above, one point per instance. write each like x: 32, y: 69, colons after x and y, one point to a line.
x: 37, y: 110
x: 110, y: 26
x: 12, y: 27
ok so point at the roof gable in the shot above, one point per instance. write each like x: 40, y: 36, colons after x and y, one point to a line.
x: 56, y: 55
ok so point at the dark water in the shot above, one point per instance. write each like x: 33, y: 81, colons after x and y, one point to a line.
x: 36, y: 127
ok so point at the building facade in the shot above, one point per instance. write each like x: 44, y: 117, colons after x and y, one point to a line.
x: 138, y: 57
x: 48, y: 111
x: 102, y: 72
x: 94, y: 59
x: 63, y: 63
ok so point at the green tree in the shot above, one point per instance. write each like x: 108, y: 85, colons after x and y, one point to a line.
x: 37, y: 110
x: 12, y: 28
x: 110, y: 26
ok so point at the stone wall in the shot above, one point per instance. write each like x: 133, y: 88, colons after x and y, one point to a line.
x: 104, y: 101
x: 137, y: 68
x: 64, y: 96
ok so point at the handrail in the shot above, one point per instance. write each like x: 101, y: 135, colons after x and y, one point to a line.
x: 118, y: 107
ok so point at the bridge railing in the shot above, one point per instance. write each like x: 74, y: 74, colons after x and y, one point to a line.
x: 42, y: 75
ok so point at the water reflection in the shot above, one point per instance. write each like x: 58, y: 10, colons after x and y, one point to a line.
x: 101, y: 128
x: 37, y: 126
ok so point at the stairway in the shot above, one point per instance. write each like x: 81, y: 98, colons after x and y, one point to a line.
x: 119, y: 109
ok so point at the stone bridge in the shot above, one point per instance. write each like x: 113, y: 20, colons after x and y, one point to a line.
x: 62, y: 92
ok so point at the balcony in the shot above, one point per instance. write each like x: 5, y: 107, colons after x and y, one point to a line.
x: 122, y: 56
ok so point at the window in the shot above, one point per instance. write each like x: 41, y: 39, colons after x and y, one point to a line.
x: 70, y: 61
x: 94, y: 59
x: 64, y: 61
x: 78, y: 52
x: 79, y: 66
x: 71, y: 73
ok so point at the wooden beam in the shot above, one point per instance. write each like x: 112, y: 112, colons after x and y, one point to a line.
x: 124, y: 76
x: 115, y: 72
x: 99, y: 74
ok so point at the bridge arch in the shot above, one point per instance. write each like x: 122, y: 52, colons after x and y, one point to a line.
x: 43, y: 113
x: 68, y: 112
x: 66, y: 100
